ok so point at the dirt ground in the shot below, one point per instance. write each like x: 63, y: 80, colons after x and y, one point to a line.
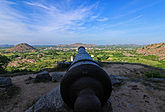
x: 131, y: 96
x: 136, y: 95
x: 28, y: 94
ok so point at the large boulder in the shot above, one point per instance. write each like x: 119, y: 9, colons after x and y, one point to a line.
x: 5, y: 81
x: 43, y: 77
x: 57, y: 76
x: 52, y: 102
x: 63, y: 65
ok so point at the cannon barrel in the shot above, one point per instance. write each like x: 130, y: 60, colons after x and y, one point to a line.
x: 85, y: 87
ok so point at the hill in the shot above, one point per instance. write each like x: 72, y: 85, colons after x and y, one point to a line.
x: 22, y: 47
x: 157, y: 49
x: 77, y: 45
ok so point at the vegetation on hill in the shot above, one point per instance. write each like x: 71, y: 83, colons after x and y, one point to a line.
x: 3, y: 63
x: 153, y: 49
x: 22, y: 47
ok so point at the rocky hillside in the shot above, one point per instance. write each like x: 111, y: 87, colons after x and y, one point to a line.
x: 22, y: 47
x: 153, y: 49
x: 77, y: 45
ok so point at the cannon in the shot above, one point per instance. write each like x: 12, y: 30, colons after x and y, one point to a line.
x: 86, y: 87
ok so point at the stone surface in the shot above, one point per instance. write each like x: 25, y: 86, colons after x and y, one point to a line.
x: 52, y: 102
x: 28, y: 80
x: 42, y: 77
x: 5, y: 81
x: 56, y: 76
x: 2, y: 91
x: 158, y: 79
x: 62, y: 65
x: 122, y: 78
x: 114, y: 80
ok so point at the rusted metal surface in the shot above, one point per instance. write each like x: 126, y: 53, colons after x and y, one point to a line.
x: 85, y: 87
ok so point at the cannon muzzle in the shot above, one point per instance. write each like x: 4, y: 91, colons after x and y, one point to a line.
x: 85, y: 87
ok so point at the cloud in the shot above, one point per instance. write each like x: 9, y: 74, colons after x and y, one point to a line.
x: 102, y: 19
x: 38, y: 5
x: 59, y: 19
x: 48, y: 21
x: 10, y: 24
x: 43, y: 19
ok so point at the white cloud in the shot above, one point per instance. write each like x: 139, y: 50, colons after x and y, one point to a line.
x: 46, y: 20
x: 10, y: 24
x: 38, y: 5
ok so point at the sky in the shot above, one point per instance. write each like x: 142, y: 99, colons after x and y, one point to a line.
x: 103, y: 22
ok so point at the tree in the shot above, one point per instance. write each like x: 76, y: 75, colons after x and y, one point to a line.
x: 52, y: 52
x: 3, y: 63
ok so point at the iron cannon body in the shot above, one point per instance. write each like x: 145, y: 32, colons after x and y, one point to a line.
x: 85, y: 87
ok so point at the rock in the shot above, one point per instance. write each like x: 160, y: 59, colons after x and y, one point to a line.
x: 56, y: 77
x: 114, y: 80
x: 52, y: 102
x: 42, y: 77
x: 3, y: 95
x: 62, y: 65
x: 122, y: 78
x: 28, y: 80
x: 149, y: 88
x: 2, y: 91
x: 5, y: 81
x: 108, y: 106
x: 158, y: 79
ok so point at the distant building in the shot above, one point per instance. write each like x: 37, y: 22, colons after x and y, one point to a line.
x: 71, y: 58
x: 92, y: 56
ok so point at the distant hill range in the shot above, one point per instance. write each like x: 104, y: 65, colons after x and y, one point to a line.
x: 6, y: 46
x: 77, y: 45
x: 153, y: 49
x: 22, y: 47
x: 123, y: 46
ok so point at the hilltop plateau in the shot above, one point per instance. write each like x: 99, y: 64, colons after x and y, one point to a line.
x: 133, y: 91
